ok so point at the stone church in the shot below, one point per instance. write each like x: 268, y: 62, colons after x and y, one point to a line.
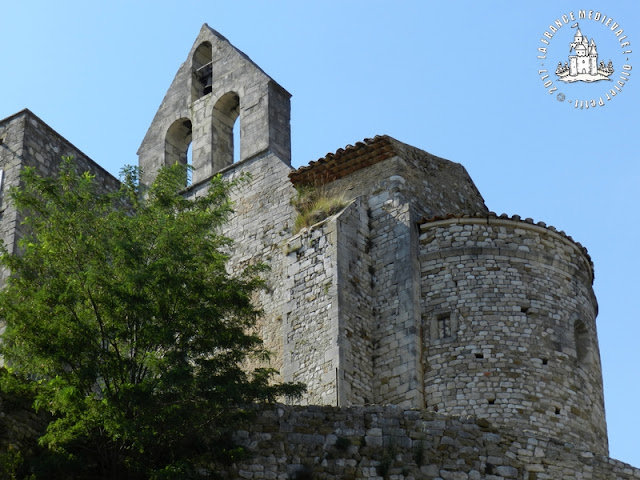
x: 437, y: 339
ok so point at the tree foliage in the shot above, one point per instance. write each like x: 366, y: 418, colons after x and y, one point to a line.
x: 122, y: 317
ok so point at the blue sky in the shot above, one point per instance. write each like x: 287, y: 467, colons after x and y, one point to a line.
x: 458, y: 79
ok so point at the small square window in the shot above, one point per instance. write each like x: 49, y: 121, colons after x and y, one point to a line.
x: 444, y: 326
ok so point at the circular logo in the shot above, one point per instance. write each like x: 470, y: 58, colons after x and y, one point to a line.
x: 584, y: 59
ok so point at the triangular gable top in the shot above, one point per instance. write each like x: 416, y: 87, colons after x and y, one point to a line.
x: 219, y: 43
x: 206, y: 30
x: 214, y: 87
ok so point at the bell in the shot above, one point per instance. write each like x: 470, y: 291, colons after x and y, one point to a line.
x: 207, y: 88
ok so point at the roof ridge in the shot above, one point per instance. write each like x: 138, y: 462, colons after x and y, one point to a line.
x: 334, y: 164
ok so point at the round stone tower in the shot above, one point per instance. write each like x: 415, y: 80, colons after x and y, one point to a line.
x: 509, y: 330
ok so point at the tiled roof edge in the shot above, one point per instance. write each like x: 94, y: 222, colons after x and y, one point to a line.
x: 344, y: 161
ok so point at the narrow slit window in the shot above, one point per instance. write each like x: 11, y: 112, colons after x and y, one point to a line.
x: 582, y: 341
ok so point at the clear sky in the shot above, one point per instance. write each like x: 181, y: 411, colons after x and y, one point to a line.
x: 457, y: 78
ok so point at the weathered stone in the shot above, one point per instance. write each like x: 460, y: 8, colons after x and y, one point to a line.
x: 411, y: 294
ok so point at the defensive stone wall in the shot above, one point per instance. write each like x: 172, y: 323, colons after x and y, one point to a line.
x: 389, y: 442
x: 20, y: 425
x: 509, y: 327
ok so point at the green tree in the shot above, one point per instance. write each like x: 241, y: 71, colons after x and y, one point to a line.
x: 121, y: 314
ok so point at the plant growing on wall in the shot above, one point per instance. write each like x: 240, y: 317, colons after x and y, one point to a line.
x: 314, y: 204
x: 121, y: 316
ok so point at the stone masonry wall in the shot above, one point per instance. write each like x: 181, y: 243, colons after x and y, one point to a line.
x: 398, y: 373
x: 509, y: 328
x: 437, y: 186
x: 25, y: 140
x: 259, y: 227
x: 397, y: 191
x: 44, y: 149
x: 388, y: 442
x: 201, y: 117
x: 433, y: 185
x: 311, y: 326
x: 11, y: 153
x: 20, y: 426
x: 355, y: 300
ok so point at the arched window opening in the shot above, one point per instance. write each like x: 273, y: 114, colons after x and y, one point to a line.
x: 189, y: 165
x: 236, y: 140
x: 226, y: 130
x: 202, y: 72
x: 583, y: 342
x: 177, y: 145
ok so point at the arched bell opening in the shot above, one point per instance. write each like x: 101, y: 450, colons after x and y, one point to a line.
x: 226, y: 113
x: 177, y: 145
x: 202, y: 71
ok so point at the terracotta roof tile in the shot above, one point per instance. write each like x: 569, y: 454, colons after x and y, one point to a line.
x: 344, y: 161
